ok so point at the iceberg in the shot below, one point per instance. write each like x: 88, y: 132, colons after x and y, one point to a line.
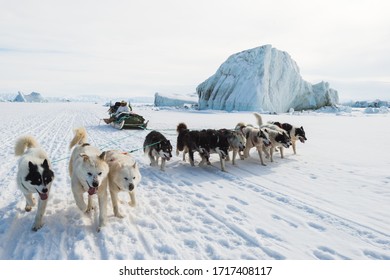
x: 175, y: 100
x: 262, y: 79
x: 32, y: 97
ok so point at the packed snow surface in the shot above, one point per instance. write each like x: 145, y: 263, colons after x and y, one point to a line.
x: 263, y: 78
x: 330, y: 201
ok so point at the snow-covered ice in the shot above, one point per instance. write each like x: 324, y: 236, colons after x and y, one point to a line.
x: 330, y: 201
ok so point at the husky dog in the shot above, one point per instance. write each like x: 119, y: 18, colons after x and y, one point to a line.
x: 255, y: 137
x: 236, y: 142
x: 278, y: 137
x: 124, y: 175
x: 181, y: 130
x: 295, y: 133
x: 157, y: 146
x: 34, y: 175
x: 214, y: 141
x: 88, y: 171
x: 188, y: 142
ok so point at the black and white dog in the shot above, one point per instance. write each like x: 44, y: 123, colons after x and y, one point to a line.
x: 188, y: 141
x: 157, y: 146
x: 34, y: 176
x: 212, y: 141
x: 205, y: 142
x: 279, y: 137
x: 295, y: 133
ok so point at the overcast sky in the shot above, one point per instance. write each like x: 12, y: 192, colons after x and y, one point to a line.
x: 135, y: 48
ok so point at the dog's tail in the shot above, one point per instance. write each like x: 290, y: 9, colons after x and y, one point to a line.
x: 80, y: 137
x: 259, y: 119
x: 23, y: 143
x: 181, y: 127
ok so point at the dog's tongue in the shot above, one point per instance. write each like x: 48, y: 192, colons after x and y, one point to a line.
x: 92, y: 191
x: 302, y: 139
x: 43, y: 196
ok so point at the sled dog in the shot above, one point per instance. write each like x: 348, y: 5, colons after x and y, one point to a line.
x: 279, y: 137
x: 157, y: 146
x: 295, y: 133
x: 237, y: 143
x: 214, y: 141
x: 188, y: 142
x: 88, y: 171
x: 124, y: 175
x: 255, y: 138
x: 34, y: 176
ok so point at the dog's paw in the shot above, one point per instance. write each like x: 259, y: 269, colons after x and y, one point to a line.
x: 119, y: 215
x: 89, y: 209
x: 132, y: 203
x: 37, y: 227
x: 28, y: 208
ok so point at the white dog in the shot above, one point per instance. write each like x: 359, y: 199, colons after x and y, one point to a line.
x: 88, y: 171
x: 34, y: 175
x: 124, y: 175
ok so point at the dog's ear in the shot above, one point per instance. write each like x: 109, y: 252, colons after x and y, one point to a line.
x: 45, y: 164
x: 84, y: 156
x: 102, y: 156
x: 32, y: 166
x: 135, y: 165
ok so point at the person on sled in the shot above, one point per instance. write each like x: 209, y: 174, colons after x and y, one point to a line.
x: 123, y: 109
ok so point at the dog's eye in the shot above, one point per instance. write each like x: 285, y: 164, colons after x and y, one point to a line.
x: 133, y: 178
x: 100, y: 173
x: 127, y: 179
x: 89, y: 173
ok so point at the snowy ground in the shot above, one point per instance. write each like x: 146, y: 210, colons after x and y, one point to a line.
x: 331, y: 201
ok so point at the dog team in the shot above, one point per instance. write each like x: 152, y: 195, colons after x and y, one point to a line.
x: 95, y: 172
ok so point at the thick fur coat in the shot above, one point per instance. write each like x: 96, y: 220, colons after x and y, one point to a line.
x: 124, y: 176
x: 88, y: 171
x: 34, y: 176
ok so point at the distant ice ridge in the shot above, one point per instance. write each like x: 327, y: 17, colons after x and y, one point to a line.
x: 262, y: 79
x: 175, y: 100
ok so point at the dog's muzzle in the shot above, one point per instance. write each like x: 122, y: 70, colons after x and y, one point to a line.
x: 302, y: 139
x: 95, y: 187
x: 167, y: 156
x: 44, y: 194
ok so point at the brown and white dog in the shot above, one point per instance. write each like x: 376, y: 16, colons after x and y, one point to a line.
x: 255, y: 138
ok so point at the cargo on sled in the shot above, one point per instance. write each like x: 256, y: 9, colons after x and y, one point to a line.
x: 122, y: 117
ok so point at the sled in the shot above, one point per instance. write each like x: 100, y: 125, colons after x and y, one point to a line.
x: 131, y: 121
x: 127, y: 120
